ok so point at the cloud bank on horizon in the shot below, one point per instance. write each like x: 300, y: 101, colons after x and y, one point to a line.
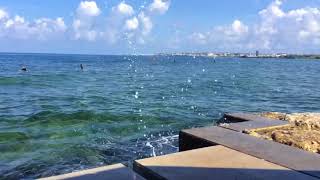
x: 296, y: 29
x: 276, y: 29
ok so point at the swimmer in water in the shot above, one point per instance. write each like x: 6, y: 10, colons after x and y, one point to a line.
x: 24, y: 68
x: 81, y: 67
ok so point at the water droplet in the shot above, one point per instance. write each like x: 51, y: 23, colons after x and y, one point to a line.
x: 136, y: 95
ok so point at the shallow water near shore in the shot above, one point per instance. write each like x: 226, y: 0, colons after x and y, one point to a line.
x: 55, y: 118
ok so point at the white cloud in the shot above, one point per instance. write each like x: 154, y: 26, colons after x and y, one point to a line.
x: 297, y: 28
x: 124, y: 25
x: 159, y: 6
x: 239, y: 28
x: 118, y: 22
x: 132, y: 24
x: 88, y: 8
x: 3, y: 14
x: 84, y: 23
x: 199, y: 38
x: 47, y: 24
x: 18, y: 28
x: 273, y: 10
x: 222, y: 35
x: 276, y: 30
x: 235, y: 30
x: 146, y: 22
x: 123, y: 9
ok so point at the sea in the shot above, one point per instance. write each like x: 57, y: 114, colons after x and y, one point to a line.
x: 57, y: 118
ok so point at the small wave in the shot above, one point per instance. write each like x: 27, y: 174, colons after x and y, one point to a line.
x: 13, y: 136
x: 47, y: 117
x: 9, y: 80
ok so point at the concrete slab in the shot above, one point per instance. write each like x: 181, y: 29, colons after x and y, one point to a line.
x: 117, y: 171
x: 216, y: 162
x: 249, y: 125
x: 244, y: 121
x: 283, y: 155
x: 241, y: 117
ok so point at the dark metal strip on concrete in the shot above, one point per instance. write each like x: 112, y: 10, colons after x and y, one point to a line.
x: 216, y: 162
x: 290, y: 157
x: 117, y: 171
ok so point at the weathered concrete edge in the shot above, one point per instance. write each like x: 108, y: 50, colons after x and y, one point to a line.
x: 123, y: 172
x: 246, y: 121
x: 240, y: 117
x: 146, y: 172
x: 197, y: 142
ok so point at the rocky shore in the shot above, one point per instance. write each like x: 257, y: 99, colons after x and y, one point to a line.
x: 303, y: 130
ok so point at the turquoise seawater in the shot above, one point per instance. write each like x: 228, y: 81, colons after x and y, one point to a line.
x: 55, y: 118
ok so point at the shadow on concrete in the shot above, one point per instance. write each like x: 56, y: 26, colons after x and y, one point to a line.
x: 202, y: 173
x: 117, y: 173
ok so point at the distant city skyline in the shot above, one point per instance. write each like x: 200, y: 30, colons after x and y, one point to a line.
x: 160, y: 26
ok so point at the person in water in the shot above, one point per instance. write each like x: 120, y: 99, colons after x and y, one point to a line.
x: 24, y: 68
x: 81, y: 67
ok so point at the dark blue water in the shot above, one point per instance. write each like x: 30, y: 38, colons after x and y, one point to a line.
x: 55, y: 118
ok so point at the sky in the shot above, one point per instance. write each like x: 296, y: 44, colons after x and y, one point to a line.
x: 159, y: 26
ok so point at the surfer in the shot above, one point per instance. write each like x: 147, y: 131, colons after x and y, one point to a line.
x: 81, y: 67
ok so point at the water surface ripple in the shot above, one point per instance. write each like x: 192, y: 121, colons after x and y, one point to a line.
x: 56, y: 118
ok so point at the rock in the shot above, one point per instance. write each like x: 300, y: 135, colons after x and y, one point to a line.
x: 274, y: 115
x: 303, y: 131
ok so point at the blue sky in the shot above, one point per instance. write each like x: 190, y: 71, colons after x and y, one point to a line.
x: 151, y: 26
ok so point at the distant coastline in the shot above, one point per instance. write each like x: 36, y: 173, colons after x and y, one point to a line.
x: 188, y: 54
x: 246, y: 55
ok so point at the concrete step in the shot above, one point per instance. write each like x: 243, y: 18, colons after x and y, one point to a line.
x: 117, y: 171
x: 242, y: 121
x: 216, y: 162
x: 249, y: 125
x: 240, y: 117
x: 283, y: 155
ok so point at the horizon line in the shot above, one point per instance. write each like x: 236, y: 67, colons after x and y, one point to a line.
x: 153, y: 54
